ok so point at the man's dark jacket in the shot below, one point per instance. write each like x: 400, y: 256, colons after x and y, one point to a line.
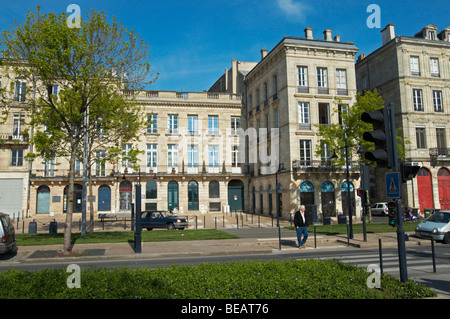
x: 298, y: 220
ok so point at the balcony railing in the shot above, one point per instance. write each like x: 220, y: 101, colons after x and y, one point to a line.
x: 161, y: 170
x: 308, y: 165
x: 439, y: 152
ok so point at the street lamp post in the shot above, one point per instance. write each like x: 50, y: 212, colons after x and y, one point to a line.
x: 350, y: 222
x: 281, y: 168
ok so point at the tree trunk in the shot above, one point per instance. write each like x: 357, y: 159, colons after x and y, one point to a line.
x: 69, y: 203
x: 91, y: 204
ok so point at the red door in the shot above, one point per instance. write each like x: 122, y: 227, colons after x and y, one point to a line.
x: 424, y: 189
x: 444, y: 188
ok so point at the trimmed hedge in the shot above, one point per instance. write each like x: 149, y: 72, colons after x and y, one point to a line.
x: 303, y: 279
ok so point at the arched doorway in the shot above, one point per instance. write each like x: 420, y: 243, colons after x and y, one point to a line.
x: 193, y: 195
x: 236, y: 195
x: 344, y: 196
x: 327, y: 197
x: 424, y: 189
x: 125, y: 195
x: 172, y: 195
x: 306, y: 193
x: 104, y: 198
x: 43, y: 200
x: 77, y: 198
x: 444, y: 187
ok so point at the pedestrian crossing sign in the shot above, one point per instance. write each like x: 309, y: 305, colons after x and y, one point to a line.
x: 392, y: 185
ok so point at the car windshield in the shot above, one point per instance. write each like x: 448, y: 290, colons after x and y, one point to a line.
x: 439, y: 217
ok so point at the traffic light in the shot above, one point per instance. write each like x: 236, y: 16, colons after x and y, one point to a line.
x: 408, y: 171
x: 359, y: 192
x: 392, y: 213
x: 381, y: 136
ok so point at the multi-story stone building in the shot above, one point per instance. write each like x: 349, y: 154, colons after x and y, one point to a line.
x: 193, y: 156
x: 293, y: 90
x: 413, y: 73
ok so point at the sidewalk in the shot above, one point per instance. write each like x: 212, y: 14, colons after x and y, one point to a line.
x: 199, y: 248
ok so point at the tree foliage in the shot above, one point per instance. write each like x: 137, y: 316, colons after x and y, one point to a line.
x: 90, y: 67
x: 352, y: 127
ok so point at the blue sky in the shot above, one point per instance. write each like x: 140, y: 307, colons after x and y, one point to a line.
x: 192, y: 42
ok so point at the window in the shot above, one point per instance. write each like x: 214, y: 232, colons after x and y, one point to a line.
x: 302, y: 75
x: 16, y: 157
x: 53, y: 90
x: 100, y: 165
x: 234, y: 156
x: 325, y: 157
x: 275, y: 87
x: 266, y: 94
x: 213, y: 124
x: 172, y: 155
x: 49, y: 167
x: 431, y: 35
x: 437, y: 101
x: 417, y: 100
x: 276, y: 118
x: 322, y: 78
x: 341, y: 82
x: 434, y: 67
x: 305, y: 153
x: 421, y: 137
x: 192, y: 155
x: 152, y: 126
x: 151, y: 190
x: 303, y: 116
x: 77, y: 167
x: 126, y: 148
x: 172, y: 124
x: 19, y: 94
x: 213, y: 155
x: 414, y: 65
x: 152, y: 155
x: 324, y: 114
x: 214, y: 189
x: 192, y: 124
x: 441, y: 139
x: 18, y: 125
x: 235, y: 125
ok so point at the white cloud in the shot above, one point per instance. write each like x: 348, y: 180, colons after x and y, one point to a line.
x: 293, y: 9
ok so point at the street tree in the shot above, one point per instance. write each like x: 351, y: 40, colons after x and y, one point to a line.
x: 68, y: 70
x: 351, y: 128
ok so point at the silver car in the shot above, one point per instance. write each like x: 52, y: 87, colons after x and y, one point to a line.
x: 7, y: 234
x: 437, y: 226
x: 379, y: 209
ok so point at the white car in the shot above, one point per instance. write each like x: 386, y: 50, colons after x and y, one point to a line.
x: 379, y: 209
x: 437, y: 226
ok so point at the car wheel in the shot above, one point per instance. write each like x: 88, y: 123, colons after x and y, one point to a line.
x: 149, y: 228
x: 170, y: 226
x: 447, y: 238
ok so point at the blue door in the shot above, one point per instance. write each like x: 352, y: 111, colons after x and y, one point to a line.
x: 172, y: 195
x: 43, y: 200
x: 104, y: 198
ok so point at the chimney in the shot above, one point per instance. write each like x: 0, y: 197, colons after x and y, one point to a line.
x: 361, y: 57
x: 327, y: 35
x: 388, y: 33
x: 309, y: 33
x: 263, y: 53
x: 337, y: 38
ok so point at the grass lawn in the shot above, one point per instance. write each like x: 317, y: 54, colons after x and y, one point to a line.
x: 122, y: 237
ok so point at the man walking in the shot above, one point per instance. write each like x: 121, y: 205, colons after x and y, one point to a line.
x: 301, y: 224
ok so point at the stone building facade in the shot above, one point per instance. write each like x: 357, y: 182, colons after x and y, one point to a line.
x: 413, y: 73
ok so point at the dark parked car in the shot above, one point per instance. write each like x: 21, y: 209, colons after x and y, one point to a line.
x: 162, y: 219
x: 7, y: 234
